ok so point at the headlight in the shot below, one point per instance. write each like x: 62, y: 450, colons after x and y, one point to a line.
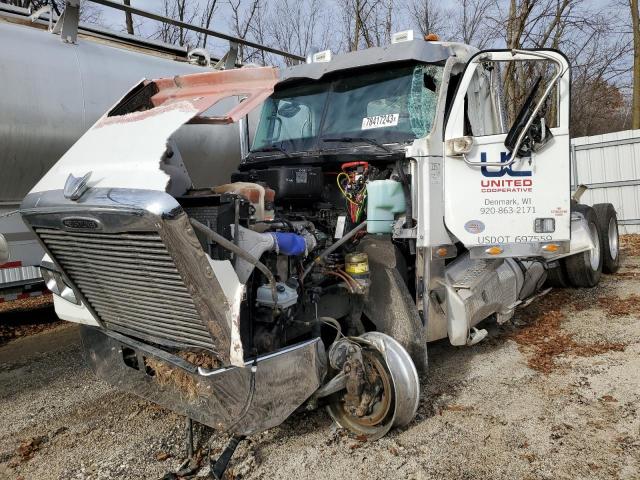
x: 54, y: 282
x: 456, y: 147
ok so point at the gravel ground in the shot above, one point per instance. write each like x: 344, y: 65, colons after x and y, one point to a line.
x: 555, y: 396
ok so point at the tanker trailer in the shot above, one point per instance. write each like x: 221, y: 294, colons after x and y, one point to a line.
x: 52, y: 92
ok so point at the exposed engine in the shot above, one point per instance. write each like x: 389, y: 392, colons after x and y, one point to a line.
x: 304, y: 224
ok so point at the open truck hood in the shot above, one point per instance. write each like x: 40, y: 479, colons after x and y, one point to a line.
x: 125, y: 146
x: 125, y: 245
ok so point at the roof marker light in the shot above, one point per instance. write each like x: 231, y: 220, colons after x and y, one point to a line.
x: 323, y: 56
x: 404, y: 36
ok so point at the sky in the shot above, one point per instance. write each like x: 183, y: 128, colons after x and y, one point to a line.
x: 114, y: 20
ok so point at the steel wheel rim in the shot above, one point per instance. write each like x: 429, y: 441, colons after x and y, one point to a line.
x: 612, y: 233
x: 594, y: 254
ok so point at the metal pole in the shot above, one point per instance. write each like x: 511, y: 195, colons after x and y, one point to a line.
x: 574, y: 168
x: 195, y: 28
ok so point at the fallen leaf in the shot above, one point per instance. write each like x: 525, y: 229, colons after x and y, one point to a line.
x: 162, y: 456
x: 457, y: 408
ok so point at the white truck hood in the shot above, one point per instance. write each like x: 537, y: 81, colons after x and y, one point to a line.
x: 124, y: 148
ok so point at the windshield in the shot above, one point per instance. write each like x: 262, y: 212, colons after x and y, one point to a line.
x: 394, y: 105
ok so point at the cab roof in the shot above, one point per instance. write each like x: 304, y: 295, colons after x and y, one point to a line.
x: 418, y: 50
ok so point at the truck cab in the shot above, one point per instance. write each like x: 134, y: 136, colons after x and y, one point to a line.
x: 391, y: 197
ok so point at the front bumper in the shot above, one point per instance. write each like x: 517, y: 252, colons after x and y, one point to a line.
x: 283, y: 381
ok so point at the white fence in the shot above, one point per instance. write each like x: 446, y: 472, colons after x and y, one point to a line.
x: 610, y: 166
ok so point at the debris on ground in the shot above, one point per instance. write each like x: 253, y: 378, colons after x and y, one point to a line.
x: 544, y: 340
x: 27, y: 448
x: 26, y: 316
x: 162, y: 456
x: 29, y: 303
x: 620, y: 307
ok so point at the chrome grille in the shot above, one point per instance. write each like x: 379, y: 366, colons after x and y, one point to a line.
x: 131, y: 282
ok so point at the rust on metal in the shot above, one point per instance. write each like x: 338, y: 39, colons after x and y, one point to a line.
x: 203, y: 90
x: 195, y: 93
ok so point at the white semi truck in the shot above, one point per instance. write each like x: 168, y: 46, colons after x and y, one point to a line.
x: 387, y: 201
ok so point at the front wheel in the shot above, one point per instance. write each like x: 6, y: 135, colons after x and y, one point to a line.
x: 584, y: 269
x: 383, y: 394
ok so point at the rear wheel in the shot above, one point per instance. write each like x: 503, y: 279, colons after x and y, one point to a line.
x: 584, y: 269
x: 557, y: 276
x: 608, y: 224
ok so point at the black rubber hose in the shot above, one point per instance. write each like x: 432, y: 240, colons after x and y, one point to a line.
x: 320, y: 258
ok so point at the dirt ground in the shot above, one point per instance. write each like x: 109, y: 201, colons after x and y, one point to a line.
x: 555, y: 395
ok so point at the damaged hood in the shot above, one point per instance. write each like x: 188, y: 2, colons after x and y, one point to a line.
x: 124, y: 148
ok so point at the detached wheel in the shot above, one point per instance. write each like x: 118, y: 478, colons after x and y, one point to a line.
x: 584, y: 269
x: 391, y: 393
x: 608, y: 223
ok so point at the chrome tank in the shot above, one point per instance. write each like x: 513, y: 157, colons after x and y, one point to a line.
x: 52, y: 92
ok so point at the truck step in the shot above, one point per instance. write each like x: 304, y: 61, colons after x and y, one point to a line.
x: 471, y: 276
x: 476, y: 336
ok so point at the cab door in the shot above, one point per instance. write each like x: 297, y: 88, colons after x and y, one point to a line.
x: 507, y: 180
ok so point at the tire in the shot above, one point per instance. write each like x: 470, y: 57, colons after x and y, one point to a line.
x: 557, y: 276
x: 608, y: 223
x: 584, y: 269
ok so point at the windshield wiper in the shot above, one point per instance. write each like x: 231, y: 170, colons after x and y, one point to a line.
x: 370, y: 141
x: 273, y: 148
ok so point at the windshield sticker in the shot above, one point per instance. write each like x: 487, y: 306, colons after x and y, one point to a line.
x: 379, y: 121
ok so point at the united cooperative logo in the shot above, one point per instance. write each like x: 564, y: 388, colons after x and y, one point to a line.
x: 520, y: 180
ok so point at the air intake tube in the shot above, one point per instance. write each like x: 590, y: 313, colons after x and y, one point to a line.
x: 289, y: 243
x: 256, y: 244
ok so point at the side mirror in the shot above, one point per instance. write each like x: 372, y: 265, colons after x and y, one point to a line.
x: 529, y: 132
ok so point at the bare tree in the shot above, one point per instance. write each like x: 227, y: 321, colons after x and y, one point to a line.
x: 360, y: 22
x: 568, y: 25
x: 296, y: 26
x: 205, y: 21
x: 244, y: 15
x: 184, y: 11
x: 635, y: 27
x: 188, y: 11
x: 429, y: 17
x: 474, y: 24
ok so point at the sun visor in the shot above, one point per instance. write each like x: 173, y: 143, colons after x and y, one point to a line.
x: 417, y: 50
